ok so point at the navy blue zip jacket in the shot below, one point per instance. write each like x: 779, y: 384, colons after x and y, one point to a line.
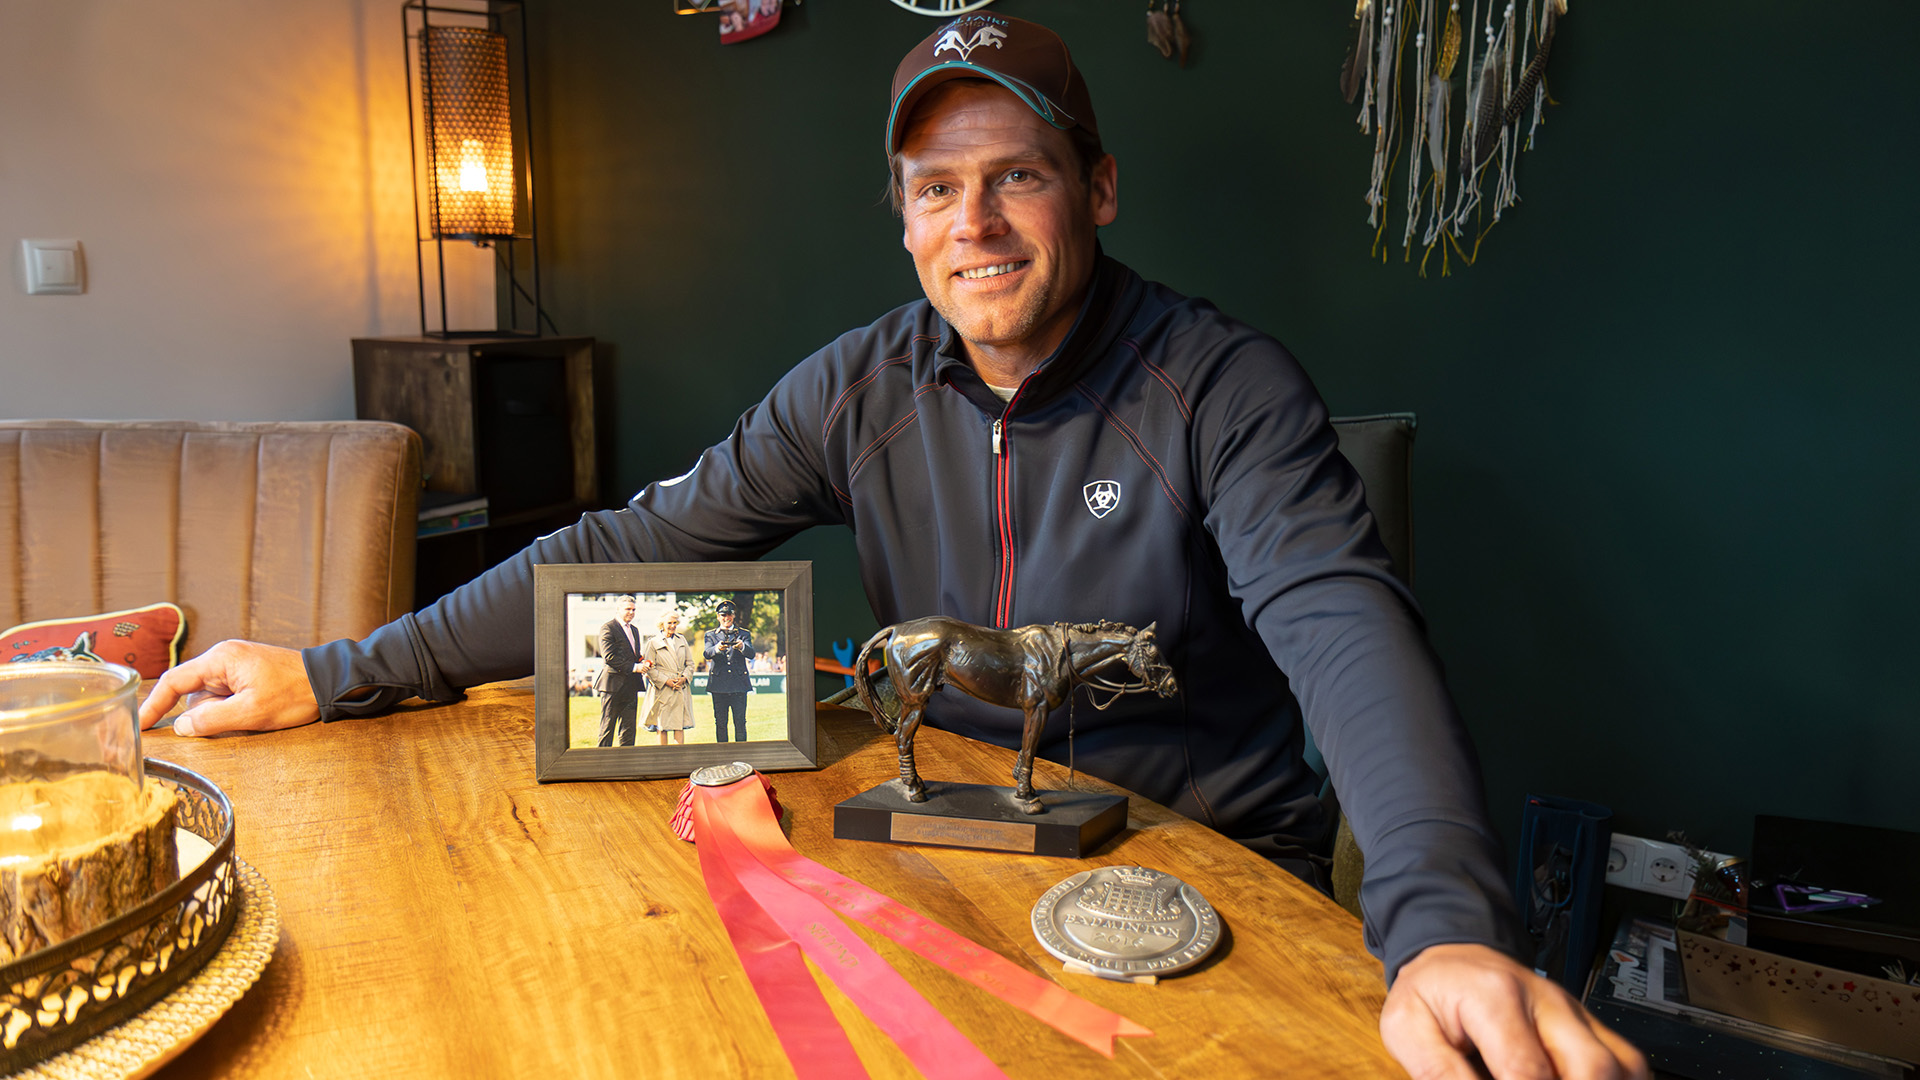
x: 1166, y: 465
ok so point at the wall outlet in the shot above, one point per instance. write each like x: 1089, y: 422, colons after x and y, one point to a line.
x: 1651, y: 866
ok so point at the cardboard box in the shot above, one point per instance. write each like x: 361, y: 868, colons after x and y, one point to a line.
x: 1876, y: 1015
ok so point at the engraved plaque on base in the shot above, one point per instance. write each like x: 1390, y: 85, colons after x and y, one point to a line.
x: 982, y: 816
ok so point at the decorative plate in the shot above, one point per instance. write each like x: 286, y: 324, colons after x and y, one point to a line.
x: 942, y: 8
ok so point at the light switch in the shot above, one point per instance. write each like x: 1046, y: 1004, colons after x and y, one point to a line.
x: 54, y: 266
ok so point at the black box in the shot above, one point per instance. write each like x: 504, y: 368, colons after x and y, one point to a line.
x: 982, y: 816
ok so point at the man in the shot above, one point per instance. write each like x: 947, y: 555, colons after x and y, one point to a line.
x: 729, y: 651
x: 619, y: 681
x: 1049, y: 437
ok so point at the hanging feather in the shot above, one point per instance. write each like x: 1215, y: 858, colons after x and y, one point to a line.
x: 1383, y: 74
x: 1354, y: 72
x: 1523, y: 92
x: 1180, y: 39
x: 1487, y: 110
x: 1449, y: 43
x: 1424, y: 44
x: 1437, y: 116
x: 1512, y: 61
x: 1159, y: 29
x: 1383, y: 65
x: 1369, y: 19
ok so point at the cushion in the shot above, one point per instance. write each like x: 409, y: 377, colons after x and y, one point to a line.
x: 145, y: 639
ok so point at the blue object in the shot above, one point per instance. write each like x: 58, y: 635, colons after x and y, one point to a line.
x: 844, y: 654
x: 1557, y: 881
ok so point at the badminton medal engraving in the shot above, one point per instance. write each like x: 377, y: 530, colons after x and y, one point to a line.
x: 1127, y: 923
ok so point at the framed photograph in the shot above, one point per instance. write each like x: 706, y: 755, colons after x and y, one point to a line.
x: 649, y: 670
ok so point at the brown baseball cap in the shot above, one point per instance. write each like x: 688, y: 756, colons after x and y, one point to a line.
x: 1022, y: 56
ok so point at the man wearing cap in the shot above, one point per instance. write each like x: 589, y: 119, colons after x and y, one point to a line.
x: 729, y: 650
x: 1049, y: 437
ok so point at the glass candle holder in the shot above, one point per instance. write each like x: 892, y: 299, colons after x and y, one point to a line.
x: 70, y: 764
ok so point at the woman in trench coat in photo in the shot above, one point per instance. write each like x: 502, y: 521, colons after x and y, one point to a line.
x: 669, y: 702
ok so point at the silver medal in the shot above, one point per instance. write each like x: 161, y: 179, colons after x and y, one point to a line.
x: 1124, y: 922
x: 722, y: 775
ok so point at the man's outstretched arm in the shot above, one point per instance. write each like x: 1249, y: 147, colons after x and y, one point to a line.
x: 1303, y: 558
x: 745, y: 496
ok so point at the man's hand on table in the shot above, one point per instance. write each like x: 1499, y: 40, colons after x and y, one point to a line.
x: 1452, y: 997
x: 235, y: 686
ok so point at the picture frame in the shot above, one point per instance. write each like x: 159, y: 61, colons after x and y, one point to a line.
x: 578, y: 610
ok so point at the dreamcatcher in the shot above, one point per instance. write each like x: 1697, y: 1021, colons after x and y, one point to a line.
x: 1501, y: 64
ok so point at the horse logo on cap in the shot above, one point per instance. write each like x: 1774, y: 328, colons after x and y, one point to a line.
x: 1102, y: 496
x: 986, y: 35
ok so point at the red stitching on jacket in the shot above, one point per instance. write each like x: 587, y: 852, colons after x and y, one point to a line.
x: 841, y: 401
x: 885, y: 438
x: 1179, y: 400
x: 1153, y: 464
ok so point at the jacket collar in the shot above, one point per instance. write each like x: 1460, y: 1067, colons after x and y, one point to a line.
x: 1114, y: 291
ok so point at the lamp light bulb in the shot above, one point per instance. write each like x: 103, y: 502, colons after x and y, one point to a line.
x: 473, y: 165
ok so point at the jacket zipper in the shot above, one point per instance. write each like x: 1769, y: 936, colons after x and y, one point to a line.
x: 1003, y: 524
x: 1003, y: 512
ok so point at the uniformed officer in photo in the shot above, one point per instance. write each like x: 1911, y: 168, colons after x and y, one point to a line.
x: 729, y: 653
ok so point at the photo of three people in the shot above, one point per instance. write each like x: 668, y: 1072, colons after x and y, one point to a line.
x: 648, y: 668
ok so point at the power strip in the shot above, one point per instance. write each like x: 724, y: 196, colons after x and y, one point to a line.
x: 1651, y: 866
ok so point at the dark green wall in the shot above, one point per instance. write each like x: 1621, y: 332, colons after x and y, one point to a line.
x: 1667, y: 491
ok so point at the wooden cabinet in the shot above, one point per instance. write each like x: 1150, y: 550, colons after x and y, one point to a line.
x: 510, y: 418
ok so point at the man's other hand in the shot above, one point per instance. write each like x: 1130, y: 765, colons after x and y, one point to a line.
x: 235, y: 686
x: 1451, y: 998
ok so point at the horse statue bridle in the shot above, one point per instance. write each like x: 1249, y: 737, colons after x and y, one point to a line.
x: 1114, y: 687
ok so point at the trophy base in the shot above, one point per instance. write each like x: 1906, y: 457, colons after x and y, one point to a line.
x: 982, y: 816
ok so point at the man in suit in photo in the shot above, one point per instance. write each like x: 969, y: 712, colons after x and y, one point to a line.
x: 620, y: 680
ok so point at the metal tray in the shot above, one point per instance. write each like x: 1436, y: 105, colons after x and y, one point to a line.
x: 67, y: 993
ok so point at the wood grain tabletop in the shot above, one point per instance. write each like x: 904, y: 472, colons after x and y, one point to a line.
x: 442, y: 914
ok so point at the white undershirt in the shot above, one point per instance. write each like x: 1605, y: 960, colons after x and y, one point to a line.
x: 1004, y: 393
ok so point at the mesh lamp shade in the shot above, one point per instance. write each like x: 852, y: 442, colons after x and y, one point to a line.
x: 463, y: 72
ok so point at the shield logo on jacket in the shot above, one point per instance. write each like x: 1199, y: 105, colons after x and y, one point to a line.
x: 1102, y: 496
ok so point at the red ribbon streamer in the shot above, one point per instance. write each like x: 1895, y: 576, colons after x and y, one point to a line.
x: 927, y: 1037
x: 808, y: 1032
x: 799, y: 895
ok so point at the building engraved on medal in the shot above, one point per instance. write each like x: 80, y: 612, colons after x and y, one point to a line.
x: 1126, y: 921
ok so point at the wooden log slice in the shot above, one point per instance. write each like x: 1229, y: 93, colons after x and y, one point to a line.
x: 78, y: 884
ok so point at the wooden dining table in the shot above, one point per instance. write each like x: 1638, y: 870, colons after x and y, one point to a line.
x: 443, y: 914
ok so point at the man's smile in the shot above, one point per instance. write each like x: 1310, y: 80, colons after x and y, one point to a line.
x: 995, y: 270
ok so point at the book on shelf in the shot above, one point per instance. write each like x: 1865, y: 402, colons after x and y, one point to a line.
x: 443, y: 512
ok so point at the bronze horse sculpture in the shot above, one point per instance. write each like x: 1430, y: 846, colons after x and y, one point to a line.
x: 1032, y: 668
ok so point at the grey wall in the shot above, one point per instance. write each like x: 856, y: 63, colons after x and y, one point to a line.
x: 1666, y: 497
x: 237, y: 174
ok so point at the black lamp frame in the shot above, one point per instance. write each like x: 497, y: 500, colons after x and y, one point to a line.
x: 496, y: 13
